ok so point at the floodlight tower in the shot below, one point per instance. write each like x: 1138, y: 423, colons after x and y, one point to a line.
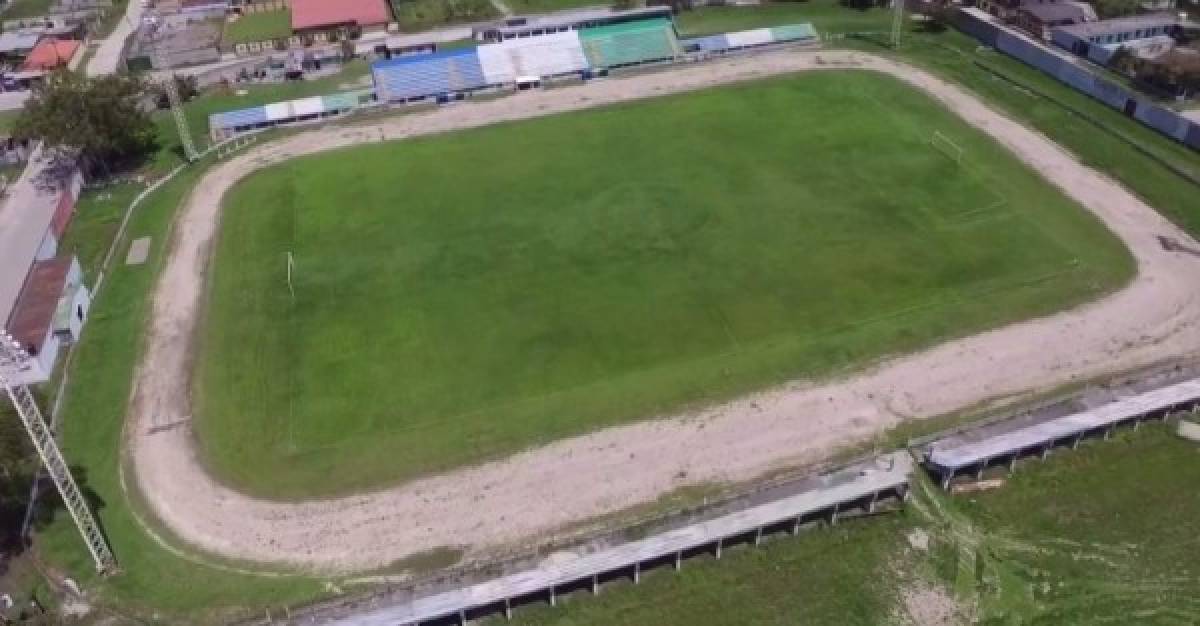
x: 176, y: 102
x: 13, y: 361
x: 185, y: 134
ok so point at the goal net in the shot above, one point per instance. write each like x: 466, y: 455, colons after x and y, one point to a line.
x: 947, y: 147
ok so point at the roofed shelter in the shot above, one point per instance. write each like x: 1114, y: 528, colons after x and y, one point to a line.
x: 50, y: 312
x: 51, y: 54
x: 16, y: 45
x: 324, y: 15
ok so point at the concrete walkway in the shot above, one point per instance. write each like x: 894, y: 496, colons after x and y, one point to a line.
x: 107, y: 59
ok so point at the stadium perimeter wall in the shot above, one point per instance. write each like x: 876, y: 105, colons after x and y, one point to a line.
x: 1064, y: 68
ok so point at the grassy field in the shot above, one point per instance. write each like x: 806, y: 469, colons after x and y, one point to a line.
x: 154, y: 584
x: 841, y: 575
x: 16, y: 9
x: 354, y: 75
x: 521, y: 7
x: 1090, y: 537
x: 418, y: 15
x: 158, y: 586
x: 259, y: 26
x: 1099, y: 535
x: 97, y: 217
x: 1099, y: 135
x: 826, y: 16
x: 455, y: 304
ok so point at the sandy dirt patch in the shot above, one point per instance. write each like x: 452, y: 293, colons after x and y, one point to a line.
x: 531, y: 494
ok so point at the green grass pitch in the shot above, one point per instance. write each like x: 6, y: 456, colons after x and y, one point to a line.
x: 261, y: 26
x: 462, y: 297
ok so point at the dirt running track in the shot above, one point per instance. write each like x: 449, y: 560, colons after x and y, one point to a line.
x: 532, y: 493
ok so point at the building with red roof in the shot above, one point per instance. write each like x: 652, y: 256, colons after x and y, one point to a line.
x: 50, y: 312
x: 322, y: 15
x: 50, y: 54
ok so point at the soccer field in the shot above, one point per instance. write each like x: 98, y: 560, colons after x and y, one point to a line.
x: 462, y: 297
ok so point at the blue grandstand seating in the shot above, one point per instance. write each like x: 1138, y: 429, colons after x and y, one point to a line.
x: 427, y: 75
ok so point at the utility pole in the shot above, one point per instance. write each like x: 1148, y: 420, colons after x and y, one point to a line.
x: 897, y: 21
x: 13, y: 361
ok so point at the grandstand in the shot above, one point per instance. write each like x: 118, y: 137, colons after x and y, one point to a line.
x: 525, y: 60
x: 516, y: 62
x: 419, y: 76
x: 224, y: 125
x: 546, y: 56
x: 631, y: 43
x: 729, y: 42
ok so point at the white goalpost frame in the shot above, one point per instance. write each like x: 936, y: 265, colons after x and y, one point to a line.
x: 946, y: 146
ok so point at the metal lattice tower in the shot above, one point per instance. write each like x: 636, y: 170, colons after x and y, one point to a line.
x: 897, y: 21
x: 185, y: 134
x: 14, y: 360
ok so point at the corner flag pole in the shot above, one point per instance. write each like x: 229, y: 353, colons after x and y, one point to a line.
x: 291, y: 266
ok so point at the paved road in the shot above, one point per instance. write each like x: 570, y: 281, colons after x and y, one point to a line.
x: 108, y: 56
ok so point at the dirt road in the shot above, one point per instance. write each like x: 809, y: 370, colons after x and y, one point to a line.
x: 530, y: 494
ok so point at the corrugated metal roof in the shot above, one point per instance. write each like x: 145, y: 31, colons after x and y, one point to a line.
x: 35, y: 310
x: 1038, y: 435
x: 51, y: 53
x: 1121, y: 25
x: 889, y: 472
x: 18, y: 40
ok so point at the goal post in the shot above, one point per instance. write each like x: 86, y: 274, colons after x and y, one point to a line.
x: 947, y: 147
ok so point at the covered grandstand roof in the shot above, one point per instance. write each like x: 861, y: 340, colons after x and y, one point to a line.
x: 428, y: 74
x: 629, y: 43
x: 289, y: 110
x: 548, y: 55
x: 308, y: 14
x: 750, y: 38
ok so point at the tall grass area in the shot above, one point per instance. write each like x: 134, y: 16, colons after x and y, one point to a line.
x: 17, y: 9
x: 1104, y: 534
x: 841, y: 575
x: 1093, y: 536
x: 521, y: 7
x: 417, y: 15
x: 258, y: 26
x: 827, y: 16
x: 455, y: 304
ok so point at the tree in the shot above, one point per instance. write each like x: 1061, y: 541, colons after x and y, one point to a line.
x: 1116, y: 8
x: 99, y: 119
x: 186, y: 86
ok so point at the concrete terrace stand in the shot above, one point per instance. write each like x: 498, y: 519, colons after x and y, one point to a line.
x: 858, y: 487
x: 953, y: 455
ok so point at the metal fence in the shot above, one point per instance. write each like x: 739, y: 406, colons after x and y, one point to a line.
x: 1064, y: 67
